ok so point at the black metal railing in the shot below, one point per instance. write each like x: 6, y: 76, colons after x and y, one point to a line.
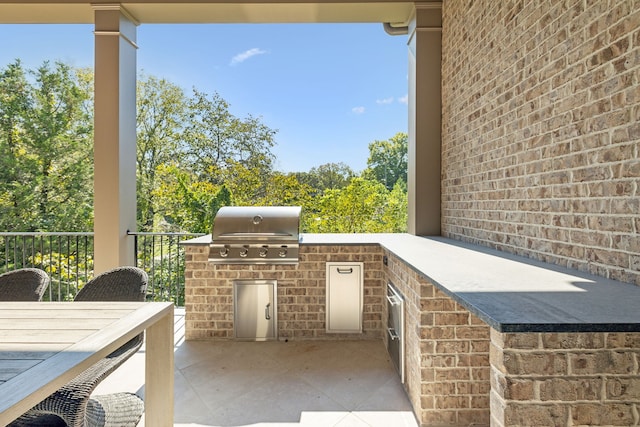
x: 162, y: 257
x: 68, y: 259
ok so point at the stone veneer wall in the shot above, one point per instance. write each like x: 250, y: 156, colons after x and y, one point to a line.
x: 301, y: 292
x: 541, y: 130
x: 446, y: 350
x: 560, y: 379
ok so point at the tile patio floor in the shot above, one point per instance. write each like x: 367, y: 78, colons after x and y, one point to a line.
x: 289, y: 384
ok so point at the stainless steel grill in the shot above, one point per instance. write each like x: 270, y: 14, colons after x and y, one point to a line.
x: 255, y: 235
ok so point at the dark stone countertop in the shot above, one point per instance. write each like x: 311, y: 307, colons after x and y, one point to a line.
x: 510, y: 293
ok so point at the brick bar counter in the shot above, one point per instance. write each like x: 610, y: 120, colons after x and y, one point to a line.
x: 490, y: 338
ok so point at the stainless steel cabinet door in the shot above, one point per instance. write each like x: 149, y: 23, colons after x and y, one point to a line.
x: 255, y: 309
x: 344, y: 297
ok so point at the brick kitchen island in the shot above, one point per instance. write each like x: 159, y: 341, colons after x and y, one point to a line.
x: 490, y: 338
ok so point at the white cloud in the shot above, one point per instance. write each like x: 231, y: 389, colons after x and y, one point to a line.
x: 384, y: 101
x: 241, y: 57
x: 358, y: 110
x: 404, y: 99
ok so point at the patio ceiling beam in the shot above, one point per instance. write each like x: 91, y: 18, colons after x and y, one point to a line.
x: 211, y: 11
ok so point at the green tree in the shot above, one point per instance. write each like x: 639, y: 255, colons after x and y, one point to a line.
x: 193, y: 157
x: 185, y: 204
x: 215, y: 139
x: 246, y: 185
x: 285, y: 190
x: 356, y: 208
x: 387, y: 162
x: 395, y: 215
x: 14, y: 103
x: 329, y: 176
x: 162, y: 110
x: 46, y: 144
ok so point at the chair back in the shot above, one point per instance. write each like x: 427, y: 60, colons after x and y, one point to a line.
x: 24, y: 284
x: 119, y: 284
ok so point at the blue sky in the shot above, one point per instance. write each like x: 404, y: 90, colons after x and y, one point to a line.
x: 328, y: 89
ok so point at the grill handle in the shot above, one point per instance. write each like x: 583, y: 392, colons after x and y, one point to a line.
x: 254, y: 235
x: 345, y: 270
x: 393, y: 334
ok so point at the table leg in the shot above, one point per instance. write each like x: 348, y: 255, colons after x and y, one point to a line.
x: 158, y: 390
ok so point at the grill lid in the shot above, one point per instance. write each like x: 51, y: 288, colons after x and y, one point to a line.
x: 245, y: 223
x: 255, y: 234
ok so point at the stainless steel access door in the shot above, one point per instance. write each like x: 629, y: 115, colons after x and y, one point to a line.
x: 344, y: 310
x: 395, y: 328
x: 255, y: 310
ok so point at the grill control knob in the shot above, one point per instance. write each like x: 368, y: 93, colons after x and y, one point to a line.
x: 224, y: 252
x: 282, y: 252
x: 263, y: 251
x: 244, y: 252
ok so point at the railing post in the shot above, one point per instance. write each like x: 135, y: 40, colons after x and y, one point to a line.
x: 135, y: 247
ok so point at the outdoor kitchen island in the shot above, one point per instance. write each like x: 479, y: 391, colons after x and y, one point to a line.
x: 490, y: 338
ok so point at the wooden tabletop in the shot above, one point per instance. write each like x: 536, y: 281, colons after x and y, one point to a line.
x: 46, y: 344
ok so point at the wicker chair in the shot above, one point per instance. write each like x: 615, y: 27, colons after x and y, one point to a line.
x: 25, y: 284
x: 119, y: 284
x: 73, y: 405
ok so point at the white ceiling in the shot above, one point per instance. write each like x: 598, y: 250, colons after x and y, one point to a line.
x: 212, y: 11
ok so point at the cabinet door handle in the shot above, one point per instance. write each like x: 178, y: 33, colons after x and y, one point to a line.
x: 266, y: 312
x: 393, y: 300
x: 345, y: 270
x: 393, y: 334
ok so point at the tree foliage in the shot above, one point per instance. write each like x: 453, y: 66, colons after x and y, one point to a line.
x: 363, y: 206
x: 189, y: 149
x: 193, y: 156
x: 45, y: 149
x: 330, y: 176
x: 183, y: 203
x: 215, y: 138
x: 161, y: 111
x: 387, y: 162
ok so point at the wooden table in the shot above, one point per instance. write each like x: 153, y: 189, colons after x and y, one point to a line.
x: 44, y: 345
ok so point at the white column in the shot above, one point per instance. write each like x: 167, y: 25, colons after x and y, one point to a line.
x: 114, y: 137
x: 423, y: 174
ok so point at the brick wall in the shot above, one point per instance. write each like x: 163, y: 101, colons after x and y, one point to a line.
x: 301, y: 292
x: 541, y: 130
x: 556, y: 379
x: 447, y: 353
